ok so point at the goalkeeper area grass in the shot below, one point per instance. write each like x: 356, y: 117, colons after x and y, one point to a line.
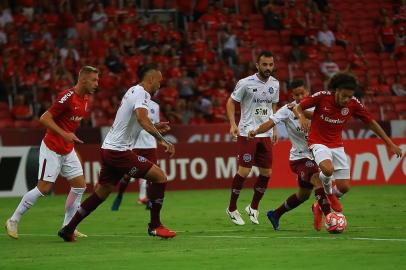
x: 375, y: 236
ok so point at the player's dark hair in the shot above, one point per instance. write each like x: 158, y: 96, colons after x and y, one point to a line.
x: 343, y: 80
x: 144, y: 69
x: 296, y: 83
x: 264, y: 54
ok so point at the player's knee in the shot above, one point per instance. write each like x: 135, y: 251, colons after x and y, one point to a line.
x: 344, y: 188
x: 328, y: 171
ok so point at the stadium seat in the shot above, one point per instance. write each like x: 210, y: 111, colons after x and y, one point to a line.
x: 6, y: 123
x: 400, y: 107
x: 390, y: 115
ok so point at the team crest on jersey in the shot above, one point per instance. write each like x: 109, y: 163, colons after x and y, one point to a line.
x: 271, y: 90
x: 246, y: 157
x: 344, y: 111
x: 309, y: 164
x: 141, y: 159
x: 152, y: 111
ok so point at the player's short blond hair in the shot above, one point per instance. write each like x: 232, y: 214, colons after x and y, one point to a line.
x: 85, y: 70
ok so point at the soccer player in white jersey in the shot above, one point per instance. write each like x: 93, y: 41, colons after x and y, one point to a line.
x: 57, y: 155
x: 258, y: 96
x: 300, y: 160
x: 118, y: 159
x: 145, y: 146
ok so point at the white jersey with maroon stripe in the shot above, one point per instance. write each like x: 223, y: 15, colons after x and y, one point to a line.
x: 146, y: 140
x: 126, y: 129
x: 256, y: 98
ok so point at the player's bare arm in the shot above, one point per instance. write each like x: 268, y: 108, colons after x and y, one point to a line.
x: 145, y: 122
x: 304, y: 124
x: 377, y: 129
x: 275, y: 136
x: 162, y: 127
x: 47, y: 120
x: 230, y: 114
x: 261, y: 129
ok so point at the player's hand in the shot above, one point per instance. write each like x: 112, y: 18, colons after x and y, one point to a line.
x: 291, y: 105
x: 234, y: 132
x: 162, y: 127
x: 395, y: 149
x: 71, y: 138
x: 304, y: 124
x: 169, y: 148
x: 275, y: 136
x: 251, y: 134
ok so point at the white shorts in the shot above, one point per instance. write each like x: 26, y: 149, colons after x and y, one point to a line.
x: 52, y: 164
x: 336, y: 155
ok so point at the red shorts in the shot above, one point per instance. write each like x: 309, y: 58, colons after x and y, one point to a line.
x: 304, y: 168
x: 115, y: 164
x: 148, y: 153
x: 257, y: 151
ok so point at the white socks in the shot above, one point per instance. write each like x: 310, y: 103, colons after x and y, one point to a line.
x: 26, y: 203
x: 72, y: 203
x: 327, y: 183
x: 143, y: 189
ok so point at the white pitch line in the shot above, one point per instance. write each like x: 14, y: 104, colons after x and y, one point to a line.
x: 237, y: 237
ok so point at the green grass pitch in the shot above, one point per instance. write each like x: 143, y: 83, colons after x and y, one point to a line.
x: 375, y: 239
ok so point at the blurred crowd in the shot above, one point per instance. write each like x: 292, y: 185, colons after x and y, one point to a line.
x: 202, y: 47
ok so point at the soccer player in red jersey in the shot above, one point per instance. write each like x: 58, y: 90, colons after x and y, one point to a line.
x: 57, y: 154
x: 118, y: 159
x: 332, y: 110
x: 301, y: 159
x: 258, y: 96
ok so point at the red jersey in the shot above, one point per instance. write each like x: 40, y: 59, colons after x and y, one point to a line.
x: 329, y: 118
x: 67, y: 111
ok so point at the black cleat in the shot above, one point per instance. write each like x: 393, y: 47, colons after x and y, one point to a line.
x: 66, y: 235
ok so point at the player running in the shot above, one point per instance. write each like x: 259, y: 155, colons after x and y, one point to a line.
x: 258, y: 96
x: 145, y: 146
x: 332, y: 110
x: 118, y: 159
x: 300, y: 159
x: 57, y: 155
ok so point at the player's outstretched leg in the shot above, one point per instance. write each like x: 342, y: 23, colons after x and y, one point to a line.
x: 26, y: 203
x: 72, y: 205
x: 291, y: 202
x: 122, y: 186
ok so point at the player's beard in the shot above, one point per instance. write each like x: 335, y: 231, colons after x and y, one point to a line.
x: 265, y: 74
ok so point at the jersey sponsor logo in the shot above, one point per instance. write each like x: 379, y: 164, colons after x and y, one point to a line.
x: 261, y: 111
x: 76, y: 118
x: 141, y: 159
x: 332, y: 121
x: 65, y: 97
x: 246, y: 157
x: 258, y: 100
x: 321, y: 93
x: 345, y: 111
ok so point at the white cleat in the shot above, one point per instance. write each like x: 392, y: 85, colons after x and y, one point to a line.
x: 78, y: 234
x: 12, y: 228
x: 253, y: 214
x: 235, y: 217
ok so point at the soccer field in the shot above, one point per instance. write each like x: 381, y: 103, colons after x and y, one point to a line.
x: 375, y: 237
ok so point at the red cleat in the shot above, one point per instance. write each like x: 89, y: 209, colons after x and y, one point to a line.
x: 334, y: 203
x: 162, y: 232
x: 317, y: 216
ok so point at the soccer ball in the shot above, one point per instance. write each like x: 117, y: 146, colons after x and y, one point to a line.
x: 335, y: 222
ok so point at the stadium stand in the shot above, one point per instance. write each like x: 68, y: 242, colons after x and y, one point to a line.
x: 201, y: 46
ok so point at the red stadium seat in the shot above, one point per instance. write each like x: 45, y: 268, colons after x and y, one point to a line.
x: 245, y: 55
x: 5, y: 114
x: 390, y: 115
x: 400, y: 107
x: 6, y: 123
x: 22, y: 124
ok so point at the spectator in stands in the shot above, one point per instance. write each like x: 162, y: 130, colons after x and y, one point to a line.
x: 325, y: 36
x: 342, y: 38
x: 229, y: 47
x: 398, y: 88
x: 69, y: 49
x: 312, y: 49
x: 299, y: 28
x: 384, y: 89
x: 297, y: 55
x: 114, y: 60
x: 272, y: 16
x: 387, y: 37
x: 99, y: 18
x: 186, y: 85
x: 328, y: 67
x: 357, y: 61
x: 5, y: 15
x: 3, y: 36
x: 21, y: 111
